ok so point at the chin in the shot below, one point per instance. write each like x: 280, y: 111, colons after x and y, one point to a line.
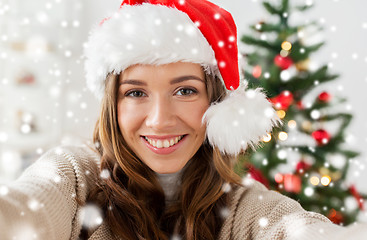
x: 167, y: 169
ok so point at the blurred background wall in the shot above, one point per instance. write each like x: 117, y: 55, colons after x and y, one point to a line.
x: 44, y: 100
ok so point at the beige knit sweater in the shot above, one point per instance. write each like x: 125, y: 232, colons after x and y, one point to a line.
x: 41, y: 205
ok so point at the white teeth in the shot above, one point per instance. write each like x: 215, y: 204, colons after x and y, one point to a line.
x: 163, y: 144
x: 159, y: 144
x: 166, y: 143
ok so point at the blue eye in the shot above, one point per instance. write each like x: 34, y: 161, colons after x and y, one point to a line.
x: 186, y: 92
x: 135, y: 94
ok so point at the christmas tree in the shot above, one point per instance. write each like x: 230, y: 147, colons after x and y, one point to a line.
x: 305, y: 158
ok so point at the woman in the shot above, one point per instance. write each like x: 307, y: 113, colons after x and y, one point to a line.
x: 173, y: 118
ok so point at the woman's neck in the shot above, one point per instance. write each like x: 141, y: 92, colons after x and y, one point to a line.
x: 170, y: 182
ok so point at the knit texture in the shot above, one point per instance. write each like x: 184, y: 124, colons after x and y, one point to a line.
x: 42, y: 204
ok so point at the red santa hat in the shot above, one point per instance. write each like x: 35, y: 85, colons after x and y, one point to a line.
x: 165, y: 31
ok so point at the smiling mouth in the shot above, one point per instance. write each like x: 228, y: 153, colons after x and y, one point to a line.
x: 164, y: 143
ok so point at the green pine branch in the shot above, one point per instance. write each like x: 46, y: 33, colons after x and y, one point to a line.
x: 260, y: 43
x: 271, y: 9
x: 303, y: 8
x: 285, y: 6
x: 304, y: 84
x: 298, y: 56
x: 322, y: 105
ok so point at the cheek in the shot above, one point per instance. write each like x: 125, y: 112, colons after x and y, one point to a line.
x: 192, y: 114
x: 128, y: 119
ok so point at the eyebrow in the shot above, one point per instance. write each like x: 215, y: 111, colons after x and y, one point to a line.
x: 173, y: 81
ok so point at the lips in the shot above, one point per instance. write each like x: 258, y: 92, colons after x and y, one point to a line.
x: 163, y: 144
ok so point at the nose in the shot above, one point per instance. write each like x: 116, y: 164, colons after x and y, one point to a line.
x: 161, y: 115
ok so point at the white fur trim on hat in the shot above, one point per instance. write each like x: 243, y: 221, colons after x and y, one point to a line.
x: 144, y: 34
x: 241, y: 119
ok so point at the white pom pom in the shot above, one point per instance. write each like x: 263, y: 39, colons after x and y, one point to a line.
x: 240, y: 120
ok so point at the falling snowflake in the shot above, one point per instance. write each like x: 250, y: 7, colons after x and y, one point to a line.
x: 58, y: 150
x: 248, y: 181
x: 263, y: 222
x: 226, y: 187
x: 76, y: 23
x: 91, y: 216
x: 282, y: 154
x: 67, y: 53
x: 69, y: 114
x: 64, y: 24
x: 57, y: 179
x: 224, y: 212
x: 351, y: 204
x: 315, y: 114
x: 34, y: 205
x: 105, y: 174
x: 267, y: 75
x: 175, y: 237
x: 4, y: 190
x: 285, y: 75
x: 309, y: 191
x: 295, y: 227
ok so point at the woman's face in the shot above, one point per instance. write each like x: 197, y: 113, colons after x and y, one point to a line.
x: 159, y: 113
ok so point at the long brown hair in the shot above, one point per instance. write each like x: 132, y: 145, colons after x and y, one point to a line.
x: 133, y: 200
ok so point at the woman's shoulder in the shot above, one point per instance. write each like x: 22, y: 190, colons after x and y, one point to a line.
x: 258, y: 213
x: 252, y: 199
x: 50, y: 193
x: 81, y: 160
x: 82, y: 152
x: 252, y: 191
x: 75, y: 165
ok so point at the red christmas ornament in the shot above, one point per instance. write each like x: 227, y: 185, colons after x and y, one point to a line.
x: 335, y: 216
x: 359, y: 199
x: 283, y: 62
x: 302, y: 166
x: 321, y: 136
x: 324, y: 97
x: 292, y: 183
x: 256, y: 72
x: 283, y: 100
x: 257, y: 175
x: 299, y: 105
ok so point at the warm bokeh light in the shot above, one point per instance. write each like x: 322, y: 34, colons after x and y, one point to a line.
x: 314, y: 180
x: 286, y: 46
x: 281, y: 114
x: 292, y: 124
x: 284, y: 53
x: 267, y: 138
x: 283, y: 136
x: 325, y: 180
